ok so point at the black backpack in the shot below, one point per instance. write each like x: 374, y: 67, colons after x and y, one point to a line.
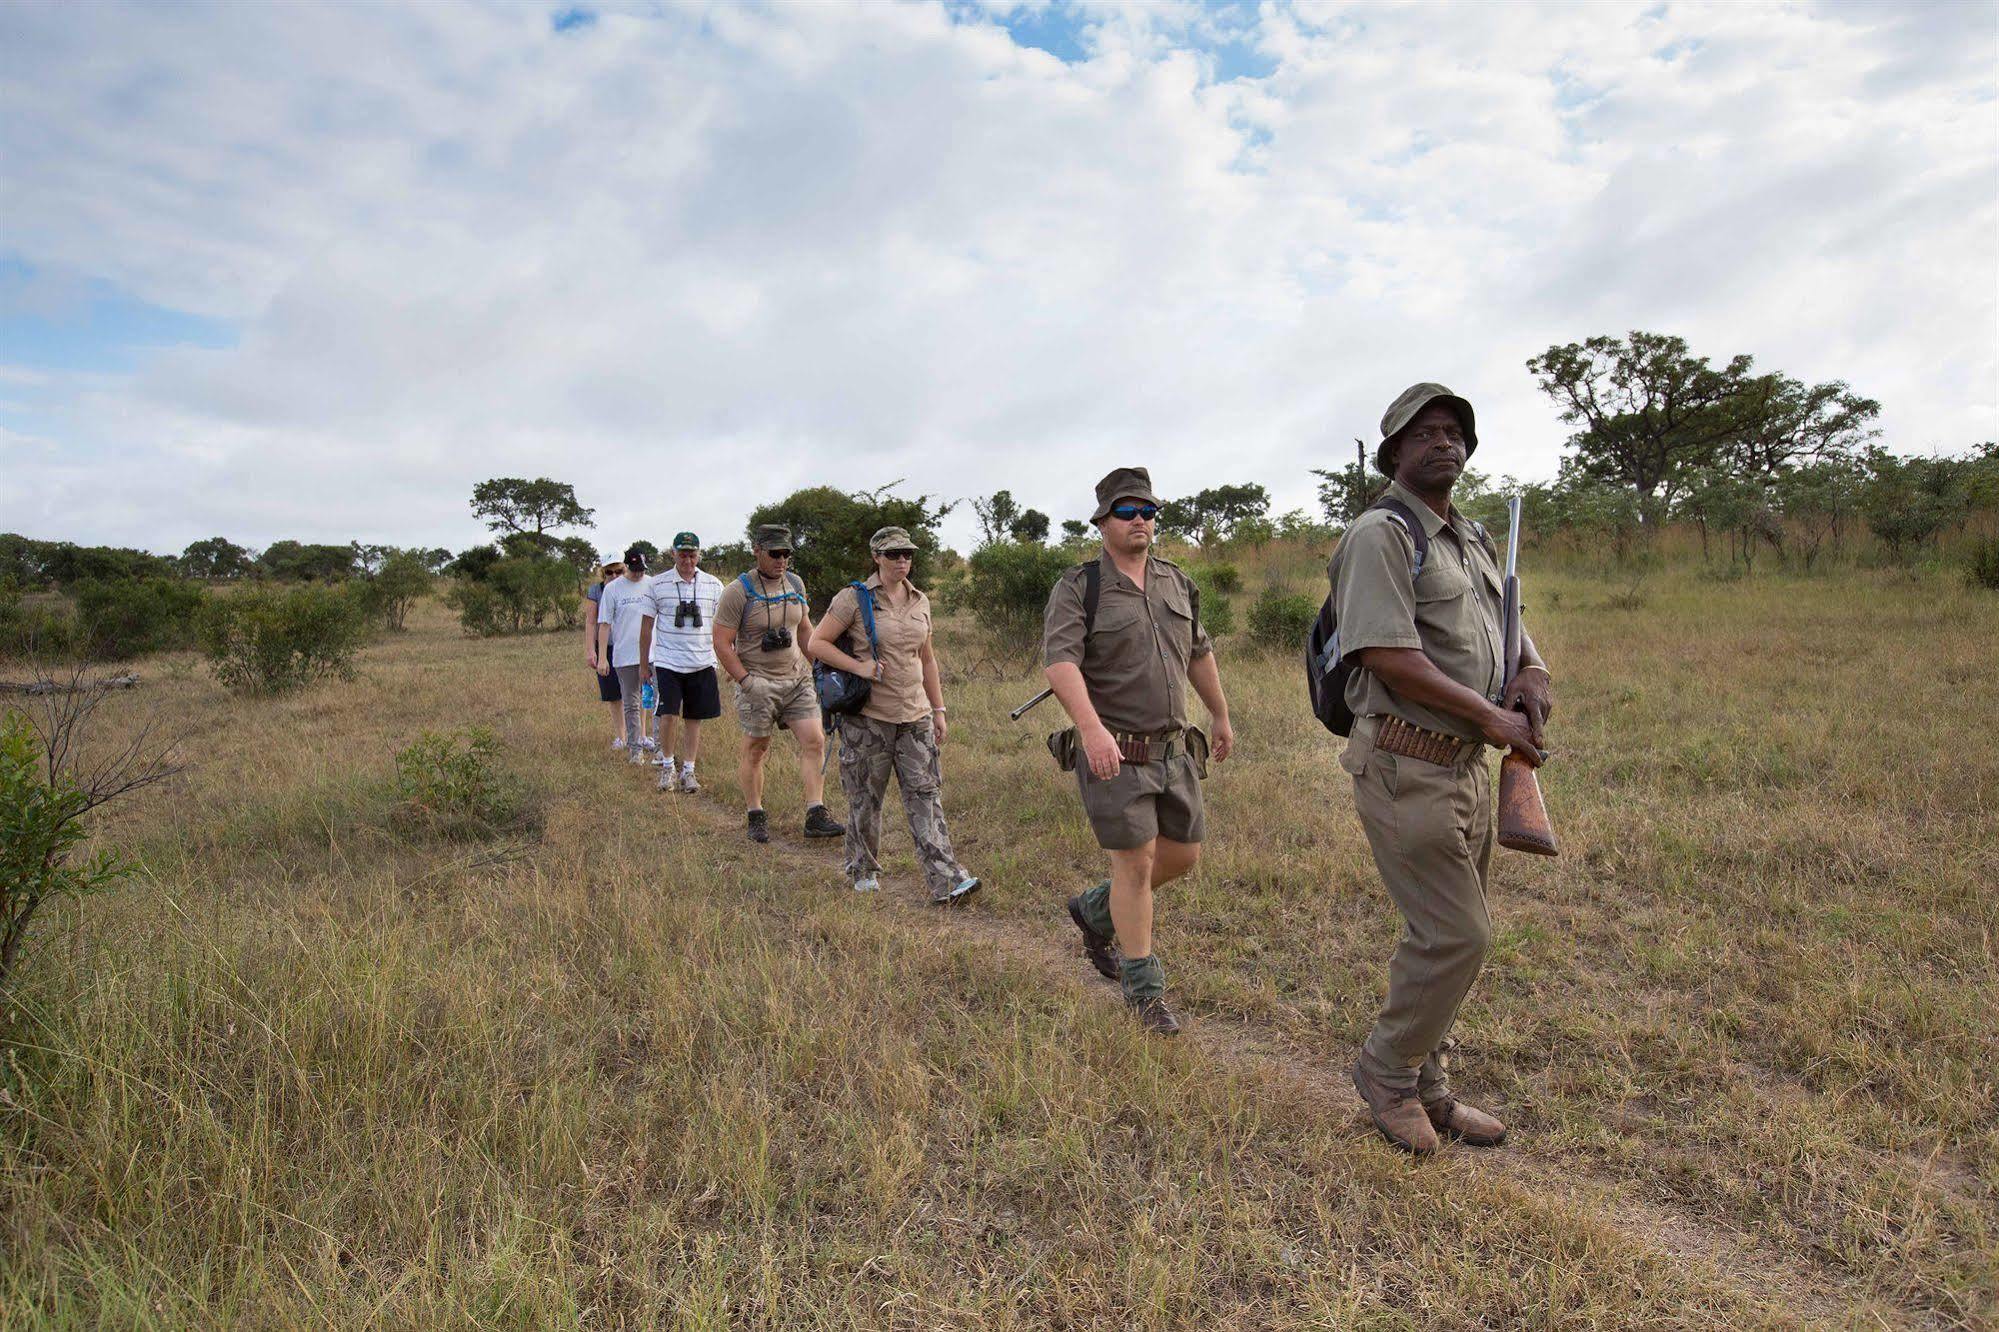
x: 1326, y: 671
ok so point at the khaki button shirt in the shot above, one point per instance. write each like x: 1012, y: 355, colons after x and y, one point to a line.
x: 902, y: 631
x: 1452, y: 611
x: 750, y: 618
x: 1135, y: 662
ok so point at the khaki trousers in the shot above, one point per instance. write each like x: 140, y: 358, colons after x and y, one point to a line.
x: 1430, y: 826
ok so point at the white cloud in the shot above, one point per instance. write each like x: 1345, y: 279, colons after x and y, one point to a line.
x: 691, y: 259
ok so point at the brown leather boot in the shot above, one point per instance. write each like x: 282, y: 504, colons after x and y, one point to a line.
x: 1467, y: 1123
x: 1396, y: 1113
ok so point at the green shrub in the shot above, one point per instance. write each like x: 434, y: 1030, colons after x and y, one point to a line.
x: 267, y: 640
x: 391, y: 590
x: 1216, y: 581
x: 1984, y: 568
x: 120, y: 618
x: 453, y: 785
x: 516, y: 596
x: 37, y: 628
x: 41, y: 830
x: 1281, y: 620
x: 1006, y: 590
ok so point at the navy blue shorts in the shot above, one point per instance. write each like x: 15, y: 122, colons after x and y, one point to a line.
x: 695, y: 695
x: 607, y: 687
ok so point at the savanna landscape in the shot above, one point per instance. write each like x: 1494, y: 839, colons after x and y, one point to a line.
x: 419, y: 1008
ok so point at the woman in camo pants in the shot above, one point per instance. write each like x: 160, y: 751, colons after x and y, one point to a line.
x: 901, y: 728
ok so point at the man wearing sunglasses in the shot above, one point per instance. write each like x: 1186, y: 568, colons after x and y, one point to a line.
x: 761, y: 627
x: 1122, y: 675
x: 1427, y: 700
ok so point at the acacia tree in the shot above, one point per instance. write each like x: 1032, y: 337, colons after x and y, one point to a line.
x: 1780, y: 423
x: 1031, y: 528
x: 509, y: 504
x: 1648, y: 408
x: 997, y: 512
x: 215, y: 557
x: 1213, y: 515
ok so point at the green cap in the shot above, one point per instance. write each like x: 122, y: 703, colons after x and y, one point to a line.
x: 771, y: 536
x: 889, y: 538
x: 1134, y: 483
x: 1408, y: 406
x: 686, y: 541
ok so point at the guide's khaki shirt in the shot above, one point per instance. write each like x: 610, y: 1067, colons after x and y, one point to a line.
x: 749, y: 619
x: 902, y: 631
x: 1135, y: 662
x: 1452, y: 611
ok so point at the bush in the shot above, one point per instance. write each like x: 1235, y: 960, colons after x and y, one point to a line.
x: 1006, y: 590
x: 390, y: 592
x: 1216, y: 581
x: 33, y: 628
x: 268, y: 640
x: 1984, y: 568
x: 454, y: 785
x: 125, y: 617
x: 517, y: 596
x: 1281, y: 620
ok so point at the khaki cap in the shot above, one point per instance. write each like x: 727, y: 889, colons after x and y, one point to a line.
x: 1123, y: 483
x: 889, y: 538
x: 1408, y: 406
x: 771, y: 536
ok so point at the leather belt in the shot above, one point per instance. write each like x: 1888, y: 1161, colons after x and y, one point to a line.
x: 1412, y: 741
x: 1148, y: 748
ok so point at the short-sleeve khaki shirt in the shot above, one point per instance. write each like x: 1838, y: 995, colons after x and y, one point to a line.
x: 1135, y: 661
x: 749, y: 619
x: 1451, y: 611
x: 902, y: 630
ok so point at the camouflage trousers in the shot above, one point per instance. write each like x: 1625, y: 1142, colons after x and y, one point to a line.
x: 869, y: 751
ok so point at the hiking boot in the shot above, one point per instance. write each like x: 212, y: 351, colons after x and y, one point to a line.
x: 958, y: 892
x: 687, y: 782
x: 1098, y: 948
x: 818, y: 823
x: 1398, y: 1115
x: 1467, y: 1123
x: 1155, y: 1016
x: 759, y: 826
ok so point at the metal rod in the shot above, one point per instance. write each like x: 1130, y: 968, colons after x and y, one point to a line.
x: 1512, y: 534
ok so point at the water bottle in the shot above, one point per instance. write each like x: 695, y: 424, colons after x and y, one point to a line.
x: 648, y: 696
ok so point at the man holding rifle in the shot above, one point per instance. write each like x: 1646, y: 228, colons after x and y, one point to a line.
x: 1429, y: 692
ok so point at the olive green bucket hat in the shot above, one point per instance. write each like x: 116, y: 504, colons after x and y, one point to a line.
x: 1408, y: 406
x: 772, y: 536
x: 1123, y: 483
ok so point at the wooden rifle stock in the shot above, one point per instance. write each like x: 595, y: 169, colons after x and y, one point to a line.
x: 1523, y: 817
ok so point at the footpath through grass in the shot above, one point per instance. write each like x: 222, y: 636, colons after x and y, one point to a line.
x: 617, y: 1067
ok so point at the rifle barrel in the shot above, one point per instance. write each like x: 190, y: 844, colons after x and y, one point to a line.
x: 1512, y: 534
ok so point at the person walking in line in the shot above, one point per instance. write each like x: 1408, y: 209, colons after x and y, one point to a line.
x: 1122, y: 640
x: 901, y: 727
x: 1427, y: 699
x: 677, y: 645
x: 761, y: 626
x: 607, y: 680
x: 620, y: 616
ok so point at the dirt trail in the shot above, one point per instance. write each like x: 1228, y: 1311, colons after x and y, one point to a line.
x: 1785, y: 1284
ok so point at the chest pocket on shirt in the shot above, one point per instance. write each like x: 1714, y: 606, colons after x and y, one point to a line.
x: 1443, y: 605
x: 1176, y: 622
x: 1118, y: 639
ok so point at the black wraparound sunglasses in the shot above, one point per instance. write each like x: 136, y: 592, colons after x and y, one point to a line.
x: 1127, y: 512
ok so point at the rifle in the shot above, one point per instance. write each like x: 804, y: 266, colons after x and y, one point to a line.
x: 1024, y: 708
x: 1523, y: 818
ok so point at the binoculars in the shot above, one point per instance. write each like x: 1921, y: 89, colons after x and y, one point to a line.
x: 686, y: 613
x: 776, y: 640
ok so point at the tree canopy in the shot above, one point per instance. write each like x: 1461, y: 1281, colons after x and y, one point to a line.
x: 830, y: 530
x: 510, y: 504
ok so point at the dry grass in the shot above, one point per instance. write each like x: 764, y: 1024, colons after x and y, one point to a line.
x: 630, y: 1071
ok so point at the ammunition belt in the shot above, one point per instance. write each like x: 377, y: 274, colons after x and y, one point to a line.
x: 1148, y: 748
x: 1411, y: 741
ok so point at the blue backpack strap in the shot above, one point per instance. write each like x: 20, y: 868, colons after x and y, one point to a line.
x: 750, y: 598
x: 864, y: 598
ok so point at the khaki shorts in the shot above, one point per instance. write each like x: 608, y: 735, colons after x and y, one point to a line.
x: 762, y: 703
x: 1144, y: 801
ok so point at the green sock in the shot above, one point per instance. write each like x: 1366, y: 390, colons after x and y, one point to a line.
x: 1143, y: 978
x: 1096, y: 903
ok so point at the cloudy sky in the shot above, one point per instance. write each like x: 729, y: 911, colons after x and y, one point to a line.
x: 283, y: 270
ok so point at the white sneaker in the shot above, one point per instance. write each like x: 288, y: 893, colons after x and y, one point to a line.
x: 867, y: 885
x: 617, y: 744
x: 666, y: 782
x: 663, y: 760
x: 648, y: 744
x: 687, y: 782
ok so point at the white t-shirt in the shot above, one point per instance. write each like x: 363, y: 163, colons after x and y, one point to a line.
x: 622, y: 607
x: 688, y: 647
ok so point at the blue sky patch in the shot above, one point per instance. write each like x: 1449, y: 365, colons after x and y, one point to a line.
x: 572, y: 18
x: 53, y: 321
